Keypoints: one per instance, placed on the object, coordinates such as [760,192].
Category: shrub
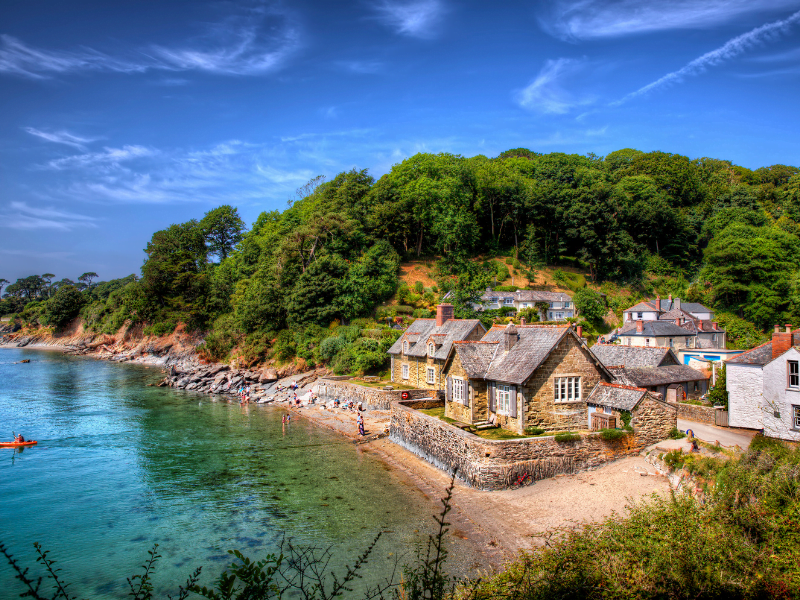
[63,306]
[567,436]
[612,434]
[674,459]
[402,309]
[676,434]
[418,287]
[506,288]
[330,347]
[161,328]
[285,347]
[559,276]
[423,313]
[534,430]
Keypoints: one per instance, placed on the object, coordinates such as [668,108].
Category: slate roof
[476,356]
[633,356]
[760,355]
[528,296]
[666,305]
[422,329]
[654,329]
[534,345]
[652,376]
[621,397]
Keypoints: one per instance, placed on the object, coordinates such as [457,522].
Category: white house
[560,305]
[652,310]
[764,387]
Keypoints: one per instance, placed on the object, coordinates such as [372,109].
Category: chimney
[670,298]
[444,312]
[658,305]
[715,326]
[639,326]
[788,328]
[630,316]
[781,341]
[579,331]
[678,321]
[678,303]
[522,321]
[511,336]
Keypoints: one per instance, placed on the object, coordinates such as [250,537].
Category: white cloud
[109,156]
[731,49]
[60,137]
[251,44]
[360,67]
[413,18]
[22,216]
[591,19]
[547,94]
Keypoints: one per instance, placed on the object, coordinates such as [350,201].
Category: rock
[22,342]
[268,375]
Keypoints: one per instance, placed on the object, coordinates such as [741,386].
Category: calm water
[121,466]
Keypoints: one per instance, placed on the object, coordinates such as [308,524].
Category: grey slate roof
[422,329]
[652,376]
[476,356]
[654,329]
[621,397]
[633,356]
[666,305]
[528,296]
[760,355]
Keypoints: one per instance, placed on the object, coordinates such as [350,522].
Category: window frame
[508,301]
[405,346]
[404,371]
[566,386]
[459,390]
[796,417]
[792,365]
[431,349]
[502,399]
[430,375]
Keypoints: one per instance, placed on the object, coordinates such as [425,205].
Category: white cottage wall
[778,399]
[744,384]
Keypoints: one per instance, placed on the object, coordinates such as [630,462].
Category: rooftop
[451,331]
[620,397]
[633,356]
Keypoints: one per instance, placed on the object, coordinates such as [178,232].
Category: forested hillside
[293,284]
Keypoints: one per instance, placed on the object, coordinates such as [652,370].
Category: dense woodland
[306,282]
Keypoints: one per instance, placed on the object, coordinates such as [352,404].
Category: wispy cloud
[547,94]
[255,43]
[591,19]
[22,216]
[360,67]
[109,156]
[60,137]
[731,49]
[414,18]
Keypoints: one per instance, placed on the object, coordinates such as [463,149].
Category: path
[711,433]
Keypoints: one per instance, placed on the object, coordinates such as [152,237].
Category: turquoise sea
[121,466]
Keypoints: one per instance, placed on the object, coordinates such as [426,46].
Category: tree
[63,306]
[223,229]
[315,298]
[3,283]
[718,396]
[86,278]
[589,304]
[47,279]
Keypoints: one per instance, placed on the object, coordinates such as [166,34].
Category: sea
[122,467]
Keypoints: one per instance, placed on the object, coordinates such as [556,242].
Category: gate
[721,418]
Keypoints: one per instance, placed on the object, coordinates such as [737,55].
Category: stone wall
[372,398]
[653,420]
[496,464]
[693,412]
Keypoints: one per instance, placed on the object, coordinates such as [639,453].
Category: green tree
[315,297]
[590,304]
[64,306]
[86,278]
[718,396]
[223,229]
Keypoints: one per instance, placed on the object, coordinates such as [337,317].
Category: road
[723,435]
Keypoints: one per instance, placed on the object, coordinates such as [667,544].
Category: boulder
[267,375]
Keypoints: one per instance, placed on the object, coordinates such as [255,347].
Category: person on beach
[360,422]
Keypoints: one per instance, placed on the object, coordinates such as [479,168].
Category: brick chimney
[658,305]
[781,341]
[511,336]
[579,331]
[444,312]
[639,326]
[678,321]
[715,326]
[678,303]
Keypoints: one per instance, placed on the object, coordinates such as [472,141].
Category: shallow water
[121,466]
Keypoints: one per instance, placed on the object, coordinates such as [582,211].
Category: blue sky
[119,118]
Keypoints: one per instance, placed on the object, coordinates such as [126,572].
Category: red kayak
[17,444]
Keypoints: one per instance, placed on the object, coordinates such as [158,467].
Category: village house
[609,403]
[559,305]
[656,369]
[419,356]
[678,325]
[763,387]
[523,376]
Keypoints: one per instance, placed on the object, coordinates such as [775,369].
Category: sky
[120,118]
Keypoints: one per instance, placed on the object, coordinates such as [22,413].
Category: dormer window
[405,347]
[431,349]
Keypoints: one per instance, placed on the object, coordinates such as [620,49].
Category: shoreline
[498,524]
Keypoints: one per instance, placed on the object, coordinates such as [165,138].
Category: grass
[380,384]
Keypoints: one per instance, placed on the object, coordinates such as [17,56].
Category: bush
[62,307]
[506,288]
[423,313]
[418,287]
[676,434]
[330,347]
[612,434]
[674,459]
[567,436]
[161,328]
[534,430]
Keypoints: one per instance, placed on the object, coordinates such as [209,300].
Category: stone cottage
[419,356]
[522,376]
[650,416]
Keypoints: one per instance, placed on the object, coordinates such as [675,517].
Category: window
[559,316]
[796,416]
[567,304]
[688,342]
[405,347]
[646,341]
[405,371]
[431,349]
[713,337]
[430,375]
[671,343]
[508,301]
[638,315]
[794,374]
[567,389]
[504,399]
[629,341]
[493,300]
[459,391]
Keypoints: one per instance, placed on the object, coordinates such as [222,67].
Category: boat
[18,444]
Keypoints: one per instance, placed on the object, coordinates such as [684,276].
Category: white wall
[744,384]
[777,397]
[646,316]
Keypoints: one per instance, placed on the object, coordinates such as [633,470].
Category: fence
[721,418]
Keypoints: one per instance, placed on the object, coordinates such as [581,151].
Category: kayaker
[19,439]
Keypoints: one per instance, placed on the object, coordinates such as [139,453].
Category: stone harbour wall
[371,398]
[497,464]
[693,412]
